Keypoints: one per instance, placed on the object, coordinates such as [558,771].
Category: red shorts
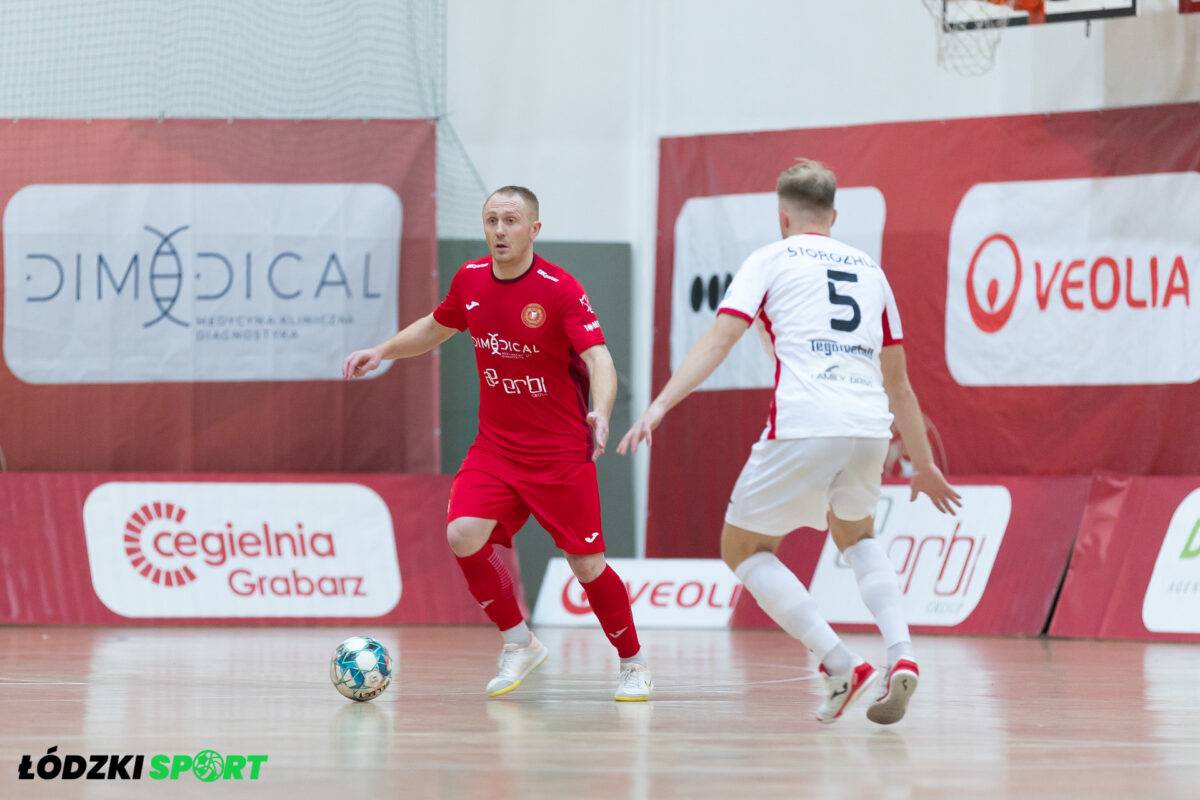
[562,495]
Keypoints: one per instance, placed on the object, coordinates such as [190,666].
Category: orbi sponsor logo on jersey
[1172,603]
[113,283]
[1086,281]
[241,550]
[713,236]
[529,384]
[943,562]
[663,592]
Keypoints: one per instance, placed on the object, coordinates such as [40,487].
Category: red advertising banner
[1189,6]
[993,569]
[103,549]
[1135,568]
[178,295]
[1039,262]
[663,593]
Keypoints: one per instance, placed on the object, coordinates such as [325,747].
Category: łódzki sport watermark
[206,766]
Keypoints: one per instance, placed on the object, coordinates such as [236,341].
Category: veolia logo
[996,315]
[664,592]
[1085,281]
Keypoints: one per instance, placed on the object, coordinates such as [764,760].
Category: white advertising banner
[241,550]
[943,562]
[663,592]
[713,236]
[148,283]
[1172,602]
[1075,282]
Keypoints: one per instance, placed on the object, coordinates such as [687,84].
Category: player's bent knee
[586,568]
[738,544]
[466,537]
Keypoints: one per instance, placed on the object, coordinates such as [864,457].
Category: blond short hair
[528,197]
[807,185]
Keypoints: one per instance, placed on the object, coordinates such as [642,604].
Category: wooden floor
[730,718]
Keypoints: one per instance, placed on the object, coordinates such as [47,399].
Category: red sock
[610,603]
[491,585]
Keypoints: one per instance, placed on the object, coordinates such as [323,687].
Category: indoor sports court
[998,718]
[257,491]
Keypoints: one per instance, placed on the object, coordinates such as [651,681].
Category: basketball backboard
[1063,11]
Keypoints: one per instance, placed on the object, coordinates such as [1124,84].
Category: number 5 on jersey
[845,325]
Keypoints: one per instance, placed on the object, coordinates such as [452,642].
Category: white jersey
[824,310]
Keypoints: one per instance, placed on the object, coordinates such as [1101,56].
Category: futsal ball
[361,668]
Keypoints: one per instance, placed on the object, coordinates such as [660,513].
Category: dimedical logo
[116,283]
[1075,282]
[1172,602]
[713,236]
[943,562]
[663,592]
[241,550]
[497,346]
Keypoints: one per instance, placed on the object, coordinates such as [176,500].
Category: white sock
[636,658]
[840,661]
[781,594]
[518,634]
[898,651]
[880,592]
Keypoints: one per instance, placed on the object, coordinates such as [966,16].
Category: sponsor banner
[165,282]
[715,235]
[1037,267]
[1104,198]
[943,562]
[1135,569]
[241,550]
[1172,603]
[994,568]
[664,593]
[189,289]
[128,549]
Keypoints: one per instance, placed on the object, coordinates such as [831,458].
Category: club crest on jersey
[533,315]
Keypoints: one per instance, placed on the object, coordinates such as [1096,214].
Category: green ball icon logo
[208,765]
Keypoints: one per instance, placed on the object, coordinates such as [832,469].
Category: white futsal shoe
[902,681]
[635,683]
[516,663]
[842,690]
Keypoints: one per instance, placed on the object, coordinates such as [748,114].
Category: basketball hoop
[968,31]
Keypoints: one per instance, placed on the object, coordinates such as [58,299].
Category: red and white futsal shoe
[842,690]
[902,681]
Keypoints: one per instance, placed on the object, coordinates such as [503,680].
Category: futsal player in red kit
[540,355]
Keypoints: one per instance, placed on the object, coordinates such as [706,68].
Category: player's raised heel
[902,681]
[515,663]
[842,690]
[635,683]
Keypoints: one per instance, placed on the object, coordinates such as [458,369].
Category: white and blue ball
[361,668]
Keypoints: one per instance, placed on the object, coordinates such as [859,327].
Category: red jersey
[528,333]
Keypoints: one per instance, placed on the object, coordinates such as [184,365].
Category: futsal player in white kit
[827,317]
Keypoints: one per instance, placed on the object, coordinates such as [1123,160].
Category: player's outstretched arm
[419,337]
[926,477]
[602,374]
[705,356]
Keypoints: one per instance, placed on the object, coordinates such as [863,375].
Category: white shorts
[792,483]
